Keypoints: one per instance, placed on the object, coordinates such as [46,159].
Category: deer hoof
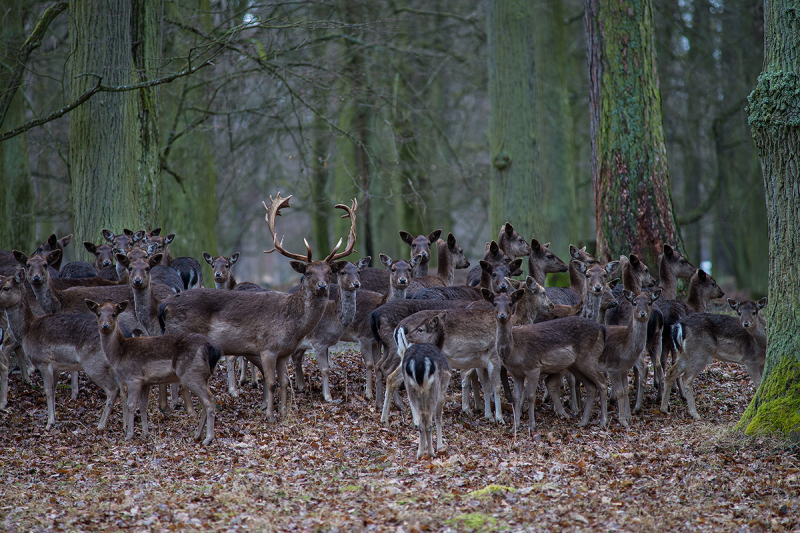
[207,441]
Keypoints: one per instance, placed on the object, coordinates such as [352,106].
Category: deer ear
[668,251]
[156,259]
[530,283]
[169,238]
[432,238]
[634,259]
[364,262]
[546,245]
[628,295]
[120,307]
[64,241]
[20,257]
[486,266]
[536,245]
[90,247]
[234,258]
[515,283]
[487,294]
[451,241]
[611,267]
[123,260]
[386,260]
[517,296]
[655,295]
[406,237]
[762,303]
[138,236]
[299,266]
[573,251]
[19,276]
[208,258]
[515,266]
[509,229]
[414,261]
[494,248]
[613,283]
[52,240]
[734,304]
[338,266]
[128,232]
[54,257]
[92,305]
[581,266]
[701,274]
[156,232]
[107,235]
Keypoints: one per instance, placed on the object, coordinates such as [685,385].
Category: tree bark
[114,184]
[774,117]
[515,178]
[16,187]
[633,204]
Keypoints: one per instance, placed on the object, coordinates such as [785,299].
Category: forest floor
[334,467]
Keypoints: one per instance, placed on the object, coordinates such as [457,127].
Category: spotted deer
[702,337]
[226,317]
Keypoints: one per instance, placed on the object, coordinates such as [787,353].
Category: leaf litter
[334,467]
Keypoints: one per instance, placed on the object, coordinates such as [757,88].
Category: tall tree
[115,182]
[633,204]
[774,111]
[516,181]
[16,188]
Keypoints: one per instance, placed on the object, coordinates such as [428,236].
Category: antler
[351,238]
[274,210]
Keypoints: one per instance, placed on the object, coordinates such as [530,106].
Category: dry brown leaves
[333,467]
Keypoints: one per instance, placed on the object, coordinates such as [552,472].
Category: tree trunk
[16,187]
[112,135]
[633,204]
[516,184]
[774,116]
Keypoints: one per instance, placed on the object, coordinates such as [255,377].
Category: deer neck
[20,317]
[536,272]
[46,296]
[504,340]
[526,312]
[305,310]
[634,340]
[630,280]
[593,305]
[577,281]
[760,334]
[446,268]
[112,344]
[346,307]
[396,294]
[227,285]
[667,280]
[697,300]
[146,308]
[420,271]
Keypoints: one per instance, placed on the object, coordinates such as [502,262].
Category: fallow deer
[57,343]
[450,256]
[338,316]
[221,267]
[702,337]
[624,347]
[426,374]
[529,351]
[541,261]
[493,275]
[420,246]
[494,256]
[103,254]
[124,241]
[265,327]
[144,361]
[53,243]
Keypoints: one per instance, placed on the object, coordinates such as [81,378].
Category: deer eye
[147,269]
[113,315]
[394,269]
[6,288]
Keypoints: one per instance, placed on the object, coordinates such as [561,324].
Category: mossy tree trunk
[16,188]
[774,116]
[633,204]
[114,180]
[515,178]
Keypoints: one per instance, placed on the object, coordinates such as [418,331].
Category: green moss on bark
[776,405]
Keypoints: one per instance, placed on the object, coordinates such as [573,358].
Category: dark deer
[420,246]
[541,261]
[57,343]
[144,361]
[103,254]
[450,256]
[53,243]
[226,317]
[702,337]
[124,241]
[221,267]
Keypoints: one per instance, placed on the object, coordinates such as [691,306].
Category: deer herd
[137,317]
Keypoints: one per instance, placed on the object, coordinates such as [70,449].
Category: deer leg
[134,393]
[486,384]
[187,399]
[230,364]
[393,381]
[494,375]
[531,384]
[174,389]
[74,384]
[466,380]
[440,447]
[144,395]
[553,385]
[199,386]
[163,404]
[109,385]
[672,374]
[50,393]
[3,379]
[297,361]
[366,354]
[22,361]
[283,384]
[640,370]
[323,360]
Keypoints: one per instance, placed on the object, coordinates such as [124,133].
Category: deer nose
[357,284]
[423,255]
[322,286]
[502,317]
[106,263]
[217,274]
[467,264]
[105,326]
[746,324]
[642,314]
[36,278]
[402,281]
[503,287]
[137,281]
[597,288]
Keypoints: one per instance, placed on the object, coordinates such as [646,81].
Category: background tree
[774,108]
[633,203]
